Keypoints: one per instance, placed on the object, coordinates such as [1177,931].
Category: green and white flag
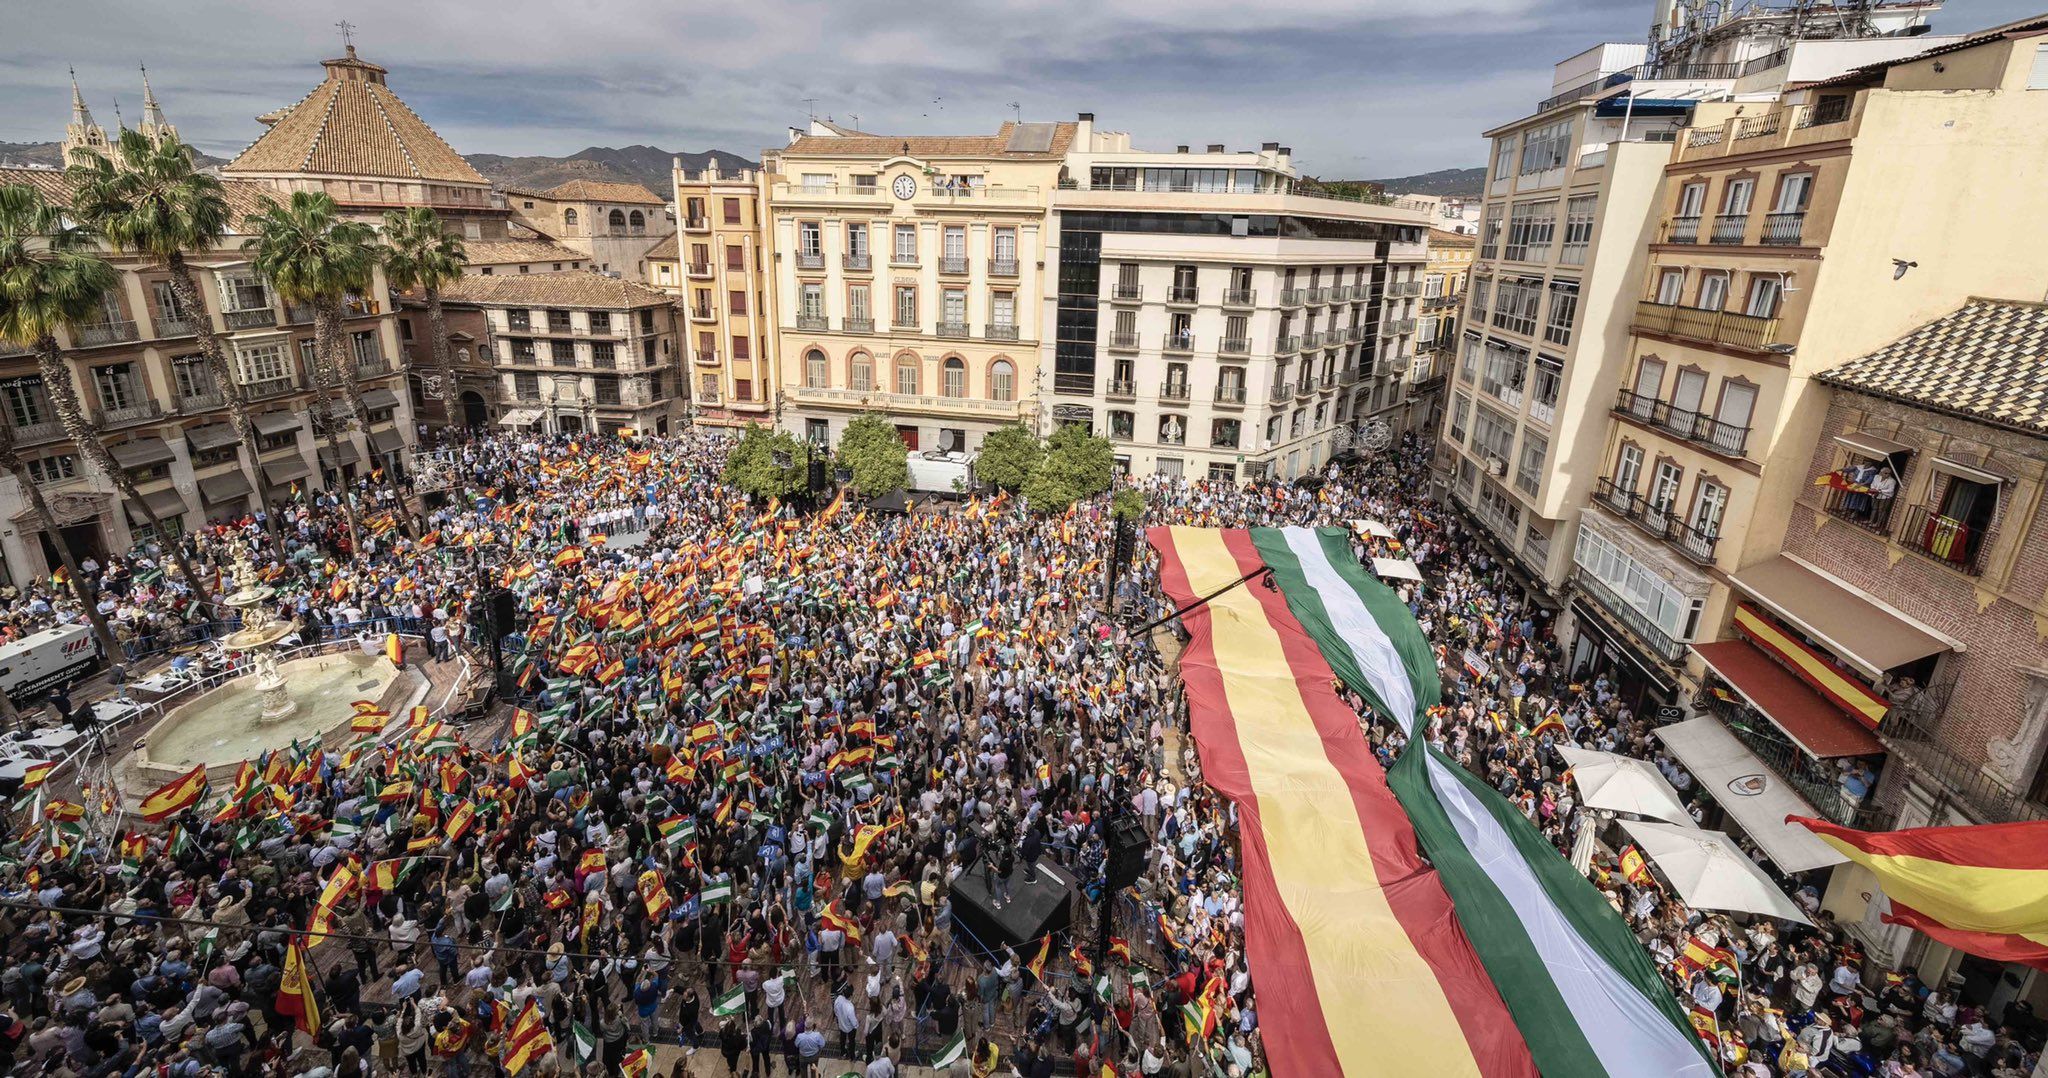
[730,1003]
[716,894]
[953,1052]
[822,819]
[582,1042]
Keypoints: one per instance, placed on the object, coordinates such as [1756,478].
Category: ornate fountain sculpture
[258,636]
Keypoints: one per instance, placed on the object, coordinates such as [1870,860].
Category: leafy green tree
[873,451]
[1127,504]
[1076,464]
[1007,457]
[753,464]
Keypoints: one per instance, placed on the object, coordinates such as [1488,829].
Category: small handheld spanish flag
[175,796]
[394,649]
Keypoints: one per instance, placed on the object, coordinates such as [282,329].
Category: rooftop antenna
[119,123]
[811,106]
[1018,108]
[855,117]
[348,34]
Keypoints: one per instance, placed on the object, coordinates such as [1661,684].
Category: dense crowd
[754,751]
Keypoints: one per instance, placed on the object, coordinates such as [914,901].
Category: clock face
[905,187]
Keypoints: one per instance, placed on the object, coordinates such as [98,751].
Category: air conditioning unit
[1496,467]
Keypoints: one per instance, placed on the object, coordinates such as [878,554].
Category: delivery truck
[34,665]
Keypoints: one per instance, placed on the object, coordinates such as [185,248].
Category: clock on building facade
[905,186]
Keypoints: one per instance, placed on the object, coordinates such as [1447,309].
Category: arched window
[814,369]
[906,373]
[862,376]
[1002,381]
[618,219]
[639,220]
[956,377]
[569,220]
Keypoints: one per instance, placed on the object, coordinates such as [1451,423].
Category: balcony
[204,401]
[1182,295]
[1234,346]
[270,387]
[1350,376]
[1123,341]
[1280,393]
[99,333]
[1682,229]
[861,263]
[1394,327]
[372,366]
[1000,331]
[1945,539]
[810,260]
[1832,110]
[1649,632]
[1313,339]
[1405,288]
[1306,387]
[699,223]
[701,314]
[252,318]
[1858,508]
[1747,332]
[952,329]
[33,433]
[604,363]
[857,325]
[1287,345]
[1657,521]
[1002,267]
[1721,439]
[1126,293]
[1317,296]
[1759,126]
[1174,393]
[1121,389]
[1292,297]
[1783,229]
[707,356]
[1239,297]
[953,264]
[1328,380]
[904,260]
[1729,227]
[697,269]
[1230,395]
[816,323]
[906,326]
[168,327]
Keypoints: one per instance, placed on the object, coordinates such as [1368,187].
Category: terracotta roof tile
[600,191]
[500,252]
[928,145]
[667,250]
[354,127]
[1987,361]
[566,289]
[55,185]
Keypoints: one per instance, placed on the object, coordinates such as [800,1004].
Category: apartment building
[719,274]
[612,225]
[576,352]
[522,255]
[1444,279]
[145,385]
[1789,242]
[1213,322]
[901,270]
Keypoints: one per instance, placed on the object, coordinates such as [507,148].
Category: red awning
[1817,726]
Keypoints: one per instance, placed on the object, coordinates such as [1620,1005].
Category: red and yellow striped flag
[176,795]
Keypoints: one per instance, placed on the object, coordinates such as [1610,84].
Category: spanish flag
[1634,869]
[529,1039]
[295,991]
[176,796]
[654,894]
[37,774]
[394,649]
[1037,963]
[1980,889]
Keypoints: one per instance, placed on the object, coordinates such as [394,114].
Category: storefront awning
[1846,622]
[344,452]
[1591,616]
[278,422]
[1749,791]
[386,440]
[376,399]
[212,436]
[1818,727]
[224,487]
[165,503]
[142,452]
[280,472]
[519,417]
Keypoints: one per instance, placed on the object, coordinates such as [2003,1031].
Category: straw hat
[73,986]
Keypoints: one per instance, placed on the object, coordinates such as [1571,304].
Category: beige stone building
[718,267]
[902,273]
[1444,278]
[614,225]
[490,258]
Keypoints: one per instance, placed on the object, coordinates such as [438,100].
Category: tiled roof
[929,145]
[667,250]
[500,252]
[600,191]
[1857,76]
[55,186]
[1443,237]
[567,289]
[1987,361]
[352,126]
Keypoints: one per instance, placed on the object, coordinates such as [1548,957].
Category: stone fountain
[258,637]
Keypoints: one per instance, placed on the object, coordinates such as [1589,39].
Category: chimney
[1084,132]
[1269,146]
[711,168]
[1215,147]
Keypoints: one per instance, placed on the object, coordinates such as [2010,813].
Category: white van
[35,664]
[948,474]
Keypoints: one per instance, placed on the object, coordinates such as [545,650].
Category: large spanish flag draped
[1983,889]
[1344,924]
[1582,993]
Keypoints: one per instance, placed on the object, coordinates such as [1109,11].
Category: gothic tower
[153,126]
[82,135]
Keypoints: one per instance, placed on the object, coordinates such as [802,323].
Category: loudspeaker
[504,612]
[1129,851]
[817,482]
[1035,909]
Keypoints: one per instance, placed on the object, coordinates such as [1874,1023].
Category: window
[1670,286]
[1003,309]
[864,183]
[954,375]
[1642,588]
[637,221]
[1664,485]
[1543,388]
[1493,435]
[1122,424]
[1297,423]
[1954,532]
[617,220]
[1480,289]
[953,309]
[906,306]
[1709,505]
[810,240]
[732,211]
[168,309]
[1503,156]
[907,374]
[811,302]
[735,258]
[1172,430]
[1793,190]
[27,402]
[814,369]
[906,245]
[245,293]
[736,301]
[1002,381]
[258,363]
[2037,79]
[1468,359]
[47,470]
[1692,200]
[856,241]
[1730,433]
[1224,433]
[1713,290]
[1005,250]
[1272,432]
[1502,378]
[1545,147]
[1489,233]
[742,346]
[817,181]
[1222,473]
[857,308]
[191,377]
[955,249]
[1516,304]
[569,219]
[1564,311]
[1628,469]
[1578,229]
[1735,197]
[863,372]
[1649,382]
[1529,231]
[1763,295]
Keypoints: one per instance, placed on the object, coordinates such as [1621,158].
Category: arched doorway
[474,412]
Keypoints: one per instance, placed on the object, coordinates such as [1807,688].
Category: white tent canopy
[1373,528]
[1395,569]
[1709,871]
[1753,795]
[1624,784]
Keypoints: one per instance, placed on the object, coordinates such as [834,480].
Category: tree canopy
[871,449]
[1076,464]
[752,465]
[1007,457]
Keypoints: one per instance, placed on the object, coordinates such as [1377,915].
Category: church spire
[153,126]
[80,115]
[82,137]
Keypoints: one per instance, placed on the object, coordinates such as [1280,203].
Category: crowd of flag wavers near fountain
[728,783]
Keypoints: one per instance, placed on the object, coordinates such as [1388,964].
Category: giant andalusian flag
[1582,993]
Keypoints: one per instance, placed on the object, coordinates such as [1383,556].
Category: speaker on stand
[1127,855]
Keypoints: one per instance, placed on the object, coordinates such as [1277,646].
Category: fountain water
[258,636]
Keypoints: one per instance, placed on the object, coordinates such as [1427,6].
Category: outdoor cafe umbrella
[1624,784]
[1709,871]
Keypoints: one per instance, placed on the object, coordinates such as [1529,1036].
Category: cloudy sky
[1359,88]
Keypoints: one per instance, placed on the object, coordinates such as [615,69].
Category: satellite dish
[945,441]
[1374,435]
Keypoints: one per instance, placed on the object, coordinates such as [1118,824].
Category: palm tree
[150,199]
[50,277]
[316,259]
[419,253]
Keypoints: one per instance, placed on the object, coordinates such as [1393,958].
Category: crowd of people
[752,754]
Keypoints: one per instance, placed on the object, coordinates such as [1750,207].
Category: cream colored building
[614,225]
[491,258]
[1214,323]
[719,271]
[903,275]
[1444,279]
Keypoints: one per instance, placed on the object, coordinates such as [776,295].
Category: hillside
[51,154]
[1460,182]
[647,166]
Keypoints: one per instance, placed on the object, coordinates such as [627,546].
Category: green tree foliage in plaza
[873,451]
[1007,457]
[752,465]
[1127,504]
[1076,464]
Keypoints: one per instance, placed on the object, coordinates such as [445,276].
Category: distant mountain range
[647,166]
[51,154]
[1454,182]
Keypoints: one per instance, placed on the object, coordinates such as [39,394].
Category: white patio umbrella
[1624,784]
[1709,871]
